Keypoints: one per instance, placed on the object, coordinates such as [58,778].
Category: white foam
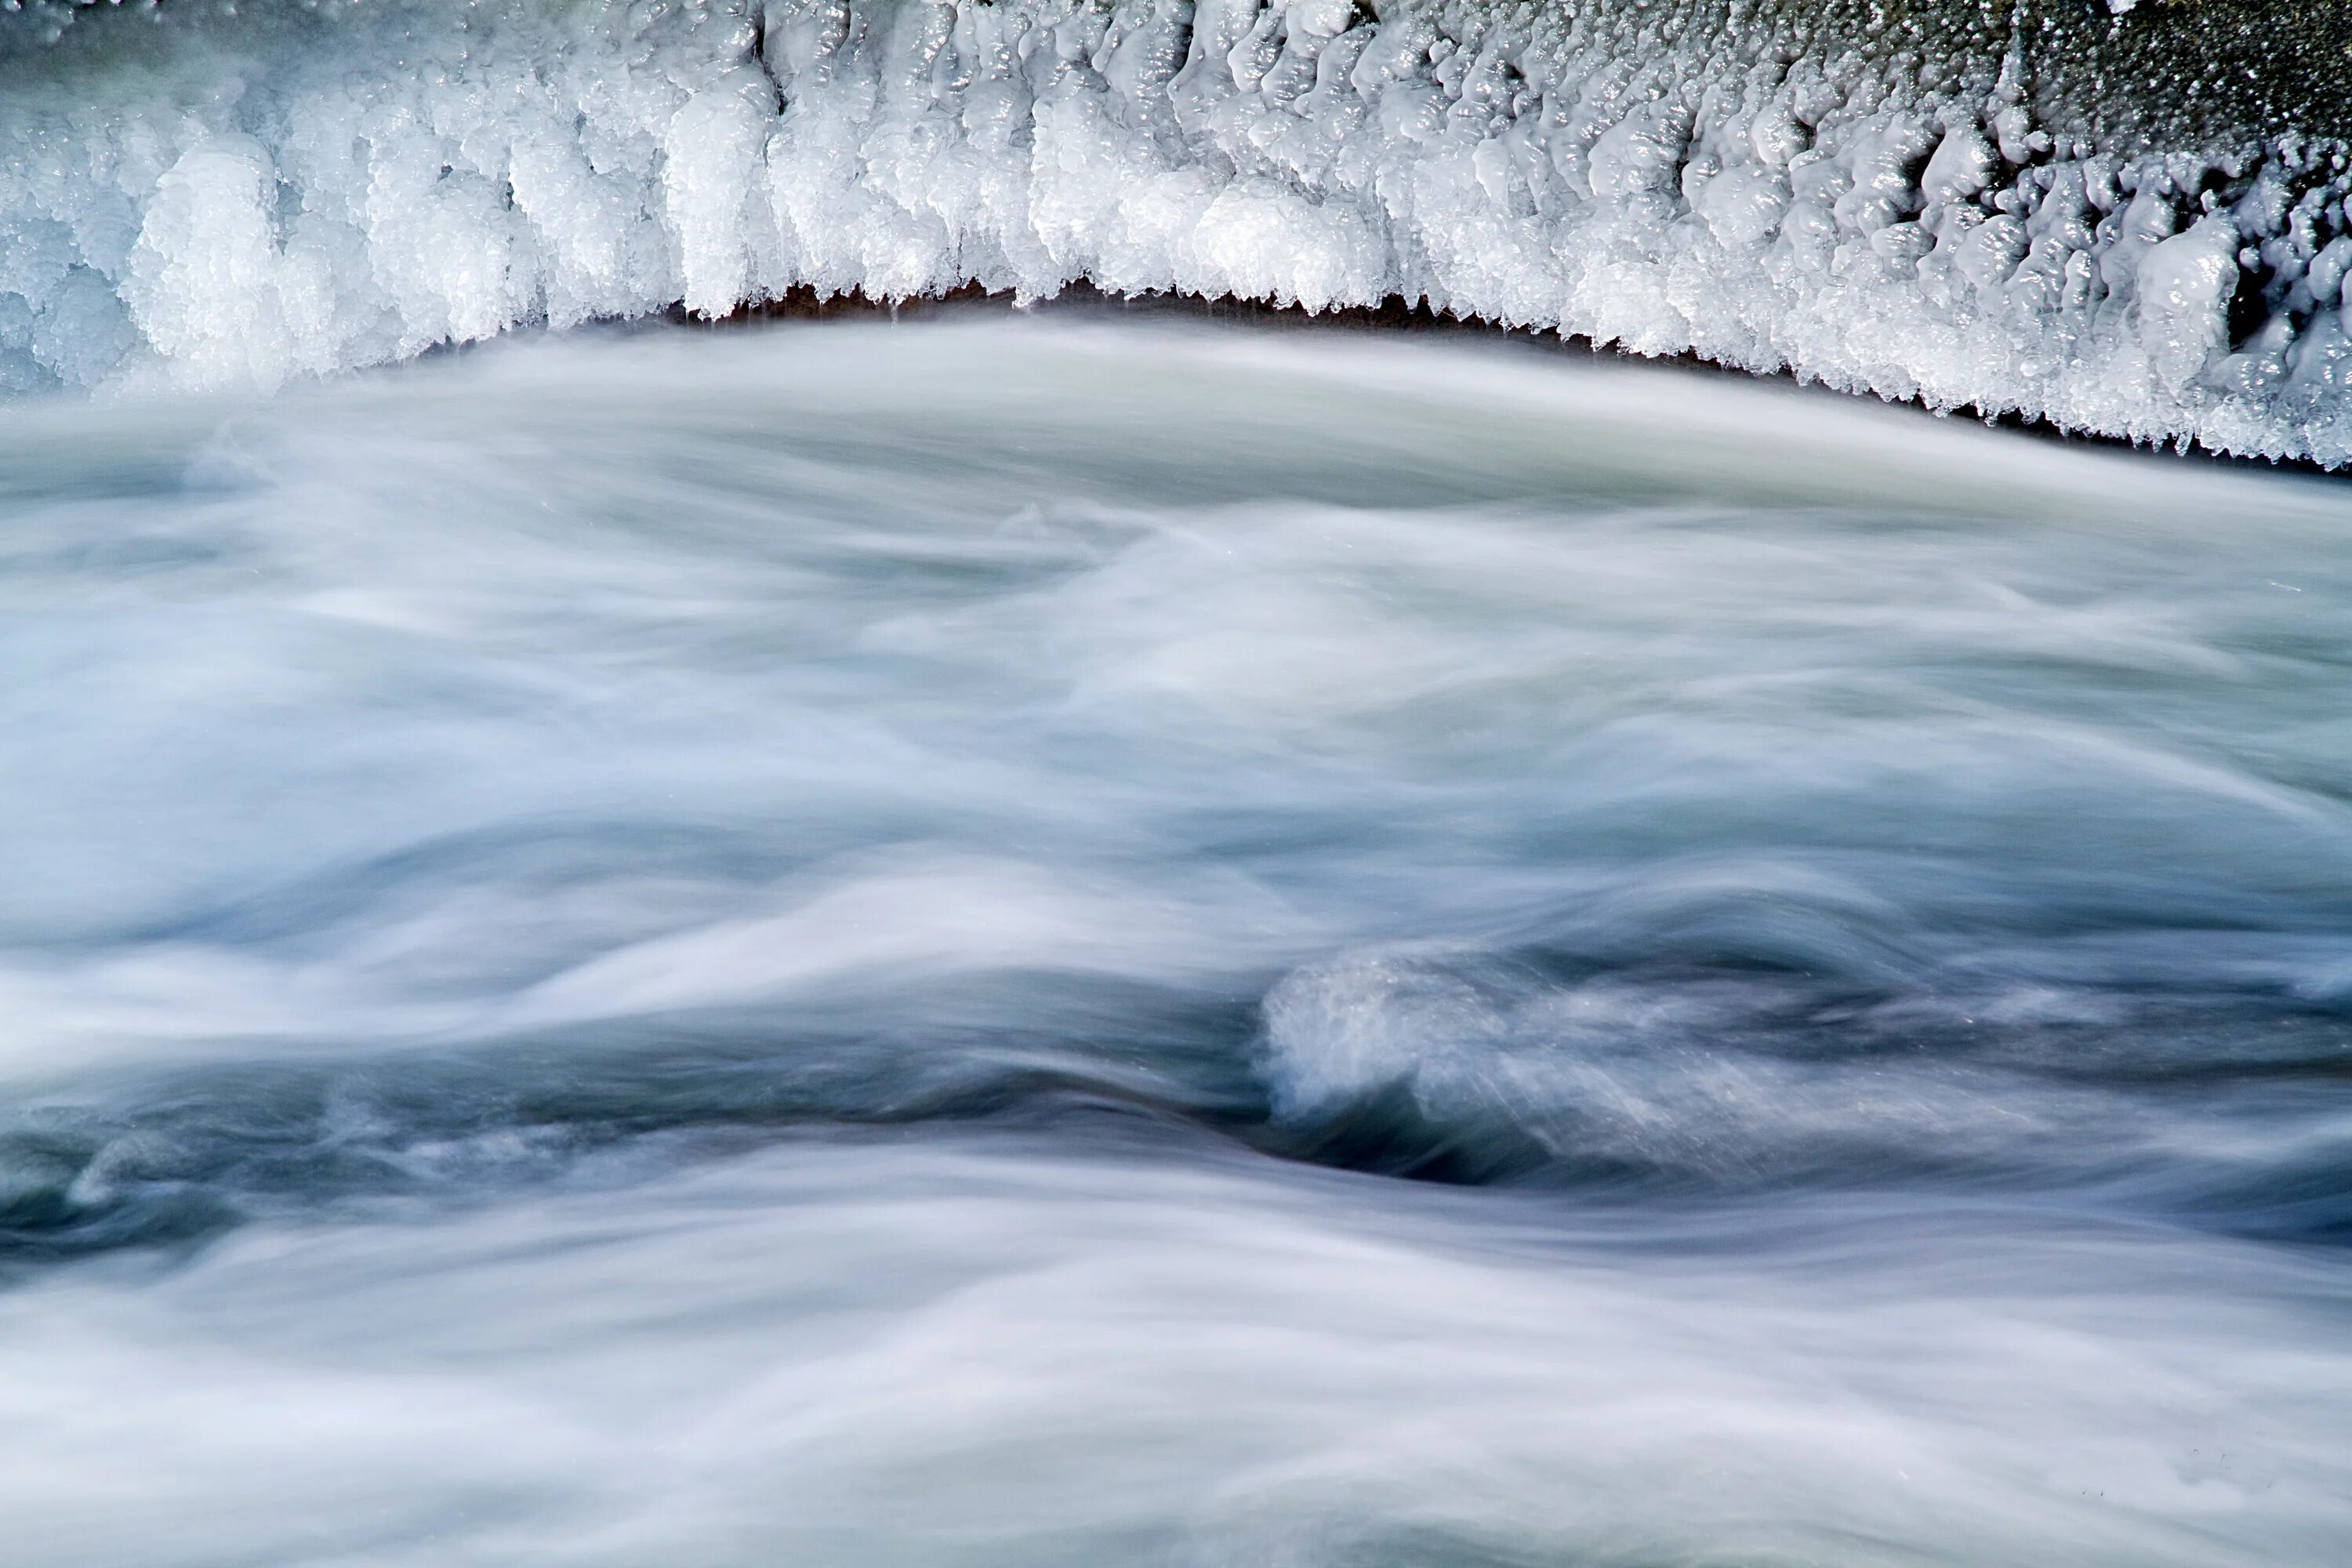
[295,192]
[957,1351]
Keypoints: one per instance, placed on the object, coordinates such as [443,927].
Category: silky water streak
[1037,941]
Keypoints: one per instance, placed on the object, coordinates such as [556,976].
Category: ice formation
[2114,223]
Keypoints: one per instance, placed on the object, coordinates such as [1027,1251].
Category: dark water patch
[1632,1088]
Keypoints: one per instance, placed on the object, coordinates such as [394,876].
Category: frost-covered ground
[2007,213]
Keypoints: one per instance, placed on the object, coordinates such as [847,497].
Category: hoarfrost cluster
[226,199]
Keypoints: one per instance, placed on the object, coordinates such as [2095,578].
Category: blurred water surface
[826,944]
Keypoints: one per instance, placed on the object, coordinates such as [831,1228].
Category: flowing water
[1057,939]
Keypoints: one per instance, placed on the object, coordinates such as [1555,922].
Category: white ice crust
[291,195]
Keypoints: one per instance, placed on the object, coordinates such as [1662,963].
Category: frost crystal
[1917,209]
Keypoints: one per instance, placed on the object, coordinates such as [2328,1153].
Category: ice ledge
[1914,209]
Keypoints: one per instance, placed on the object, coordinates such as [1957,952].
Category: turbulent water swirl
[827,943]
[2131,224]
[1108,937]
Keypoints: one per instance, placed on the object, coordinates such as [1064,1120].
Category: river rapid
[1045,939]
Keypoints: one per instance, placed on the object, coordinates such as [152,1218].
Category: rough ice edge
[286,199]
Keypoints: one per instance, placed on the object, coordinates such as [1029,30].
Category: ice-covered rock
[2052,213]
